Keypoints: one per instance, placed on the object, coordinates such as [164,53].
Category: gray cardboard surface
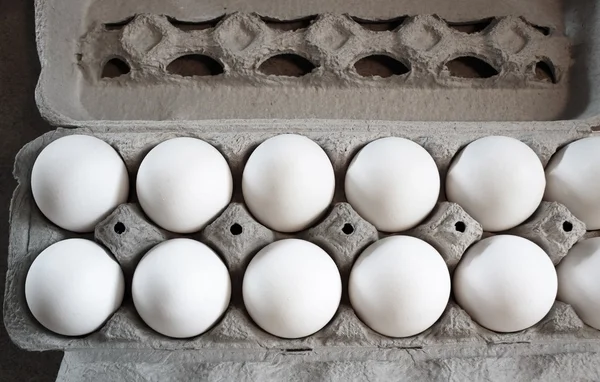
[148,36]
[499,363]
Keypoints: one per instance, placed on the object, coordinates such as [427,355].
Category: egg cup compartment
[236,236]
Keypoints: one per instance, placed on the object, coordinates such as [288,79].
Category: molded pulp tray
[342,111]
[236,333]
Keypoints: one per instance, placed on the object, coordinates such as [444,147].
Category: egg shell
[399,286]
[288,183]
[579,280]
[498,180]
[573,176]
[73,287]
[181,288]
[505,283]
[183,184]
[393,183]
[292,288]
[77,181]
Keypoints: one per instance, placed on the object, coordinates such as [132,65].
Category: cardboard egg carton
[340,110]
[128,234]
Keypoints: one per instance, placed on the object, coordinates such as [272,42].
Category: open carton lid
[184,60]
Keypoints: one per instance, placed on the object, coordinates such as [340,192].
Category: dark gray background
[20,123]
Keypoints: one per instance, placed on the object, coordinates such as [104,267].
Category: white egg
[573,177]
[73,287]
[183,184]
[292,288]
[393,183]
[499,181]
[505,283]
[399,286]
[181,288]
[579,281]
[77,181]
[288,183]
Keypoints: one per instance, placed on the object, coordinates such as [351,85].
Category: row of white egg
[399,286]
[288,182]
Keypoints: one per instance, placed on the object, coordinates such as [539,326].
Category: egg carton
[128,234]
[241,107]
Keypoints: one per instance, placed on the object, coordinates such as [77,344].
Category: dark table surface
[20,122]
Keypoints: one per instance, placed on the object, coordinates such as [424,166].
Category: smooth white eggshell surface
[183,184]
[393,183]
[73,287]
[573,177]
[399,286]
[499,181]
[505,283]
[292,288]
[579,280]
[77,181]
[181,288]
[288,182]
